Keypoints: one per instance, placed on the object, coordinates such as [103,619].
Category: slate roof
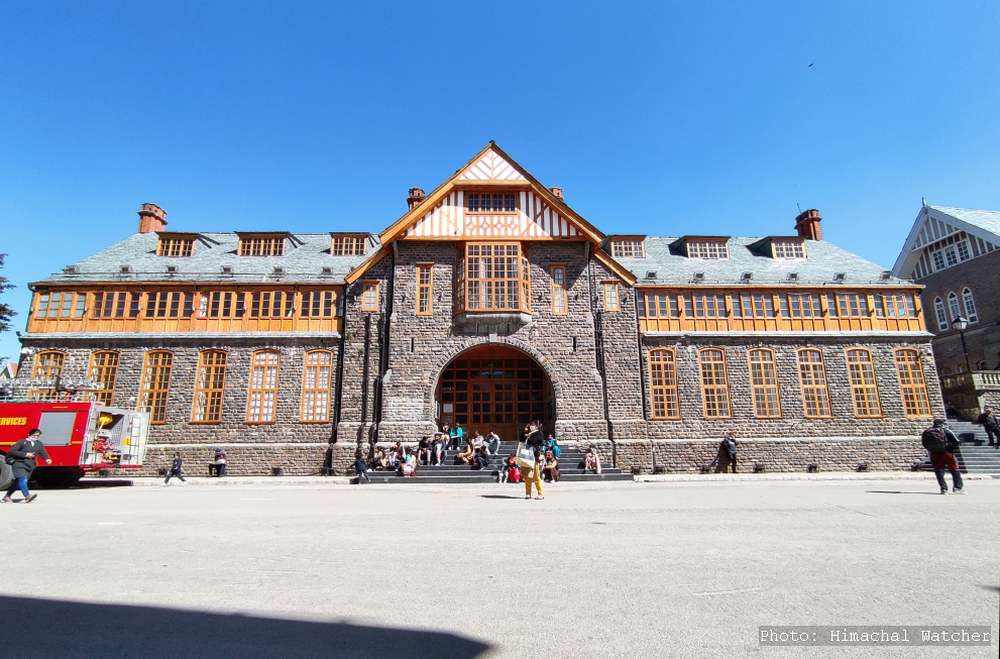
[303,261]
[820,266]
[986,220]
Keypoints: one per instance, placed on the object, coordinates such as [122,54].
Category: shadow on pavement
[109,482]
[80,629]
[935,494]
[500,496]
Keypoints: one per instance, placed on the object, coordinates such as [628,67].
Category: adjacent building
[490,302]
[954,253]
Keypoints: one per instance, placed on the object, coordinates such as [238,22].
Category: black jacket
[988,420]
[176,466]
[23,465]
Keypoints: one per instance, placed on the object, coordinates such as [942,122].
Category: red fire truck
[79,436]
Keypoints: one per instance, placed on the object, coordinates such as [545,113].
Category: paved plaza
[682,569]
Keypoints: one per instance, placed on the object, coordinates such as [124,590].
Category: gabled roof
[823,262]
[490,166]
[979,223]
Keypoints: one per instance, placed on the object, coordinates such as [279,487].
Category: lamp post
[960,324]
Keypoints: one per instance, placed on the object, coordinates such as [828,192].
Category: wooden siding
[197,322]
[535,219]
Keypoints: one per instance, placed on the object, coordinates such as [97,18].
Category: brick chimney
[152,218]
[807,225]
[557,192]
[416,196]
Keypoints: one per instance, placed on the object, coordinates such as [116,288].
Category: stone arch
[432,377]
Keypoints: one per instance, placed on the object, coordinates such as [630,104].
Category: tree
[6,312]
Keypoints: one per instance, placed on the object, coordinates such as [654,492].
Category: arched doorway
[494,387]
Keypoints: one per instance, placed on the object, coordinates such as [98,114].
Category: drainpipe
[383,341]
[599,353]
[642,378]
[339,386]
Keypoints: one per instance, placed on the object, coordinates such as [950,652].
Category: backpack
[935,440]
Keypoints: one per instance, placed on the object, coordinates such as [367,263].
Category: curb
[798,476]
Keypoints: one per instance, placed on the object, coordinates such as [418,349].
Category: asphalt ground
[681,569]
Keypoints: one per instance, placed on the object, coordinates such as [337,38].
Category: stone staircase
[975,456]
[570,469]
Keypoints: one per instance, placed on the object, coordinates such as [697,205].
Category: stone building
[491,302]
[954,253]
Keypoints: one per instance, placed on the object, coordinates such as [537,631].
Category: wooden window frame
[155,389]
[425,290]
[818,385]
[799,302]
[175,246]
[628,248]
[223,305]
[697,305]
[317,304]
[174,304]
[559,290]
[651,302]
[765,310]
[261,245]
[105,374]
[313,371]
[478,192]
[845,306]
[864,386]
[612,303]
[709,250]
[492,293]
[266,391]
[912,383]
[209,383]
[46,368]
[664,396]
[116,304]
[717,367]
[371,295]
[761,391]
[788,249]
[271,304]
[61,305]
[347,244]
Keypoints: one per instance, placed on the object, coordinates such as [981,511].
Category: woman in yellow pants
[534,475]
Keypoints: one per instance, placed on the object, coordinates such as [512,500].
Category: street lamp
[960,324]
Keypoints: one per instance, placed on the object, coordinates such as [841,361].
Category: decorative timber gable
[492,197]
[942,237]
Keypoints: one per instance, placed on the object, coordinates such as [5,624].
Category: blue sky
[654,117]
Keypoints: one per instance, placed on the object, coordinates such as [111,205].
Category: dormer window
[491,203]
[788,248]
[628,248]
[347,245]
[707,248]
[261,244]
[175,244]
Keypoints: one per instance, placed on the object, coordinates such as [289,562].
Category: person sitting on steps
[592,461]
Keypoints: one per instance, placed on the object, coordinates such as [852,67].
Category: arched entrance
[494,387]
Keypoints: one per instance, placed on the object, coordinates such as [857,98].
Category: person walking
[942,443]
[23,457]
[457,436]
[176,469]
[533,476]
[991,424]
[727,453]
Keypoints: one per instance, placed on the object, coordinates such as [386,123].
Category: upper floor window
[222,304]
[319,304]
[425,289]
[347,245]
[628,248]
[261,245]
[494,277]
[175,245]
[705,305]
[116,304]
[370,296]
[788,249]
[169,304]
[271,304]
[61,304]
[755,305]
[848,305]
[953,307]
[612,296]
[939,312]
[656,304]
[970,306]
[764,384]
[895,305]
[949,251]
[708,249]
[560,300]
[488,202]
[801,305]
